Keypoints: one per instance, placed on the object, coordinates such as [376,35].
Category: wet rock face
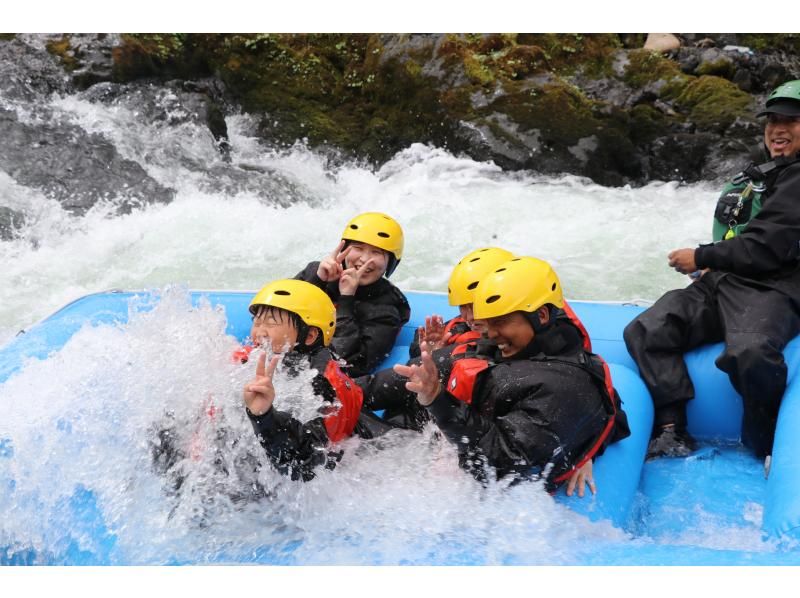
[595,105]
[74,167]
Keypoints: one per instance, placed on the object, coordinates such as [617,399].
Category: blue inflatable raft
[714,415]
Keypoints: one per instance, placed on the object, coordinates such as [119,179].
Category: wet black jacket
[537,409]
[766,251]
[296,448]
[367,323]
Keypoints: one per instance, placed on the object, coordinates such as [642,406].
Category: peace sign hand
[350,278]
[259,394]
[423,379]
[330,268]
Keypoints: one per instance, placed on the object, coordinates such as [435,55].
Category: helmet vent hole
[553,288]
[280,292]
[472,285]
[384,235]
[516,259]
[475,259]
[501,270]
[493,298]
[354,226]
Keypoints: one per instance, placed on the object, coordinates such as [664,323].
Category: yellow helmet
[520,284]
[309,302]
[470,270]
[379,230]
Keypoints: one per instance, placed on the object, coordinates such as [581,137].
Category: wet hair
[297,323]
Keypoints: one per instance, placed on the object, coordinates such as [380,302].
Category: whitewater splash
[84,484]
[269,212]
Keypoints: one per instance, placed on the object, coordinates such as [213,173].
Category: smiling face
[512,332]
[360,254]
[272,327]
[782,135]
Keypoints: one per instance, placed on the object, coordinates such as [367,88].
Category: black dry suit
[543,411]
[750,299]
[296,448]
[367,323]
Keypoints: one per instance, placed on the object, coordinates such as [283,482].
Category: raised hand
[423,379]
[351,277]
[259,393]
[330,268]
[433,332]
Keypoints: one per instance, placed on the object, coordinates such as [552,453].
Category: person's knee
[756,360]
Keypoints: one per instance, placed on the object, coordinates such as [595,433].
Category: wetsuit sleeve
[770,240]
[519,441]
[295,448]
[364,343]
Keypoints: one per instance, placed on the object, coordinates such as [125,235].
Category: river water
[77,482]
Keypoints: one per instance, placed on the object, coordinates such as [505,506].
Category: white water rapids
[81,423]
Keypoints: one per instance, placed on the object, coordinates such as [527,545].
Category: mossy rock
[765,42]
[560,112]
[715,103]
[7,37]
[646,66]
[62,48]
[646,123]
[723,67]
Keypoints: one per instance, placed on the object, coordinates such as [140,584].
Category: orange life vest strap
[463,376]
[573,317]
[341,422]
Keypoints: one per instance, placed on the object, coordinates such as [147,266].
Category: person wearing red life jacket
[297,321]
[370,310]
[541,405]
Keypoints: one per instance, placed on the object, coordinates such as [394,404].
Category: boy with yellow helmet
[295,321]
[541,405]
[370,310]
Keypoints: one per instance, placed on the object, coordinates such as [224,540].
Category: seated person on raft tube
[745,292]
[540,406]
[297,321]
[370,310]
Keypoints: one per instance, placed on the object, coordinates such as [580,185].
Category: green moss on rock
[64,51]
[714,103]
[646,66]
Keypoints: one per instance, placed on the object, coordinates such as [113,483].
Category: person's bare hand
[433,332]
[582,478]
[259,394]
[330,268]
[682,260]
[423,379]
[351,278]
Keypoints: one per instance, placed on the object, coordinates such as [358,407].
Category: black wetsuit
[539,408]
[295,448]
[750,300]
[367,323]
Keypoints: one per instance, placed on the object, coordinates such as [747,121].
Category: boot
[670,441]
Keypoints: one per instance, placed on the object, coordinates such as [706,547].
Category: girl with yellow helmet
[370,310]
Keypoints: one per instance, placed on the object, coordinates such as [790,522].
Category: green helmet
[784,100]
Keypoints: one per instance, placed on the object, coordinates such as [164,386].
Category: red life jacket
[341,422]
[242,354]
[456,337]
